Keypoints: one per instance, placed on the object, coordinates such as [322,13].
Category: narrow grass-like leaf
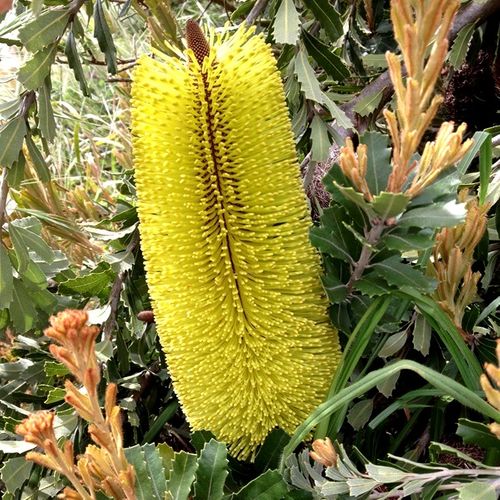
[464,163]
[485,165]
[286,23]
[162,419]
[38,160]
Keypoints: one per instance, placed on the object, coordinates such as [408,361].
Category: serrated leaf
[32,241]
[368,103]
[389,204]
[55,395]
[6,278]
[393,344]
[400,274]
[320,140]
[286,23]
[33,73]
[378,160]
[150,481]
[14,472]
[20,249]
[90,284]
[266,486]
[46,119]
[402,240]
[11,140]
[458,51]
[327,16]
[269,453]
[478,491]
[44,30]
[437,215]
[422,334]
[372,286]
[334,288]
[374,60]
[182,475]
[71,52]
[337,114]
[307,78]
[22,312]
[15,175]
[212,471]
[104,38]
[55,369]
[360,413]
[38,160]
[326,59]
[387,386]
[476,433]
[384,474]
[357,198]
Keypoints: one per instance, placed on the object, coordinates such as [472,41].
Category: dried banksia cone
[234,281]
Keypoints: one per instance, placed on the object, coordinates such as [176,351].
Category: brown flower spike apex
[234,281]
[103,466]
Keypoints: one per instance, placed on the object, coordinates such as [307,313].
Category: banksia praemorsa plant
[453,259]
[102,467]
[490,382]
[234,281]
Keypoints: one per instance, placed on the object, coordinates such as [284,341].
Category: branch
[474,12]
[259,6]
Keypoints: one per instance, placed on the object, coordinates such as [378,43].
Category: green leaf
[150,481]
[212,471]
[6,278]
[327,16]
[182,475]
[325,58]
[368,103]
[15,175]
[334,288]
[478,491]
[436,449]
[267,486]
[89,284]
[55,369]
[422,334]
[38,160]
[437,215]
[104,38]
[476,433]
[11,140]
[162,419]
[44,30]
[390,204]
[22,312]
[458,52]
[46,119]
[32,241]
[55,395]
[286,23]
[372,286]
[33,73]
[393,344]
[357,198]
[320,140]
[379,160]
[400,239]
[75,64]
[307,78]
[14,472]
[400,274]
[10,108]
[485,166]
[360,413]
[384,474]
[20,249]
[337,114]
[464,163]
[269,453]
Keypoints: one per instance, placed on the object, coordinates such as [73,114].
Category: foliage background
[69,237]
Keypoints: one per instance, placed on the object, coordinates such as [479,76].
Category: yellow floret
[235,283]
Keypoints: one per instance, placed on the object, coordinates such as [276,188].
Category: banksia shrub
[234,281]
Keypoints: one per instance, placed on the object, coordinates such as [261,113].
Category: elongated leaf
[90,284]
[393,344]
[390,204]
[15,175]
[104,38]
[286,23]
[33,73]
[476,433]
[327,16]
[461,45]
[9,108]
[266,486]
[22,312]
[326,59]
[485,165]
[400,239]
[212,471]
[308,81]
[14,472]
[38,160]
[11,140]
[360,413]
[45,112]
[379,160]
[32,241]
[182,475]
[337,114]
[20,248]
[320,140]
[478,491]
[422,333]
[334,288]
[368,103]
[150,481]
[464,163]
[446,385]
[74,62]
[434,216]
[44,30]
[6,279]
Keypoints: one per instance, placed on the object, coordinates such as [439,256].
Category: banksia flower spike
[234,281]
[490,382]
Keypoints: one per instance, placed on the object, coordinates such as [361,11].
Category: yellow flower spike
[235,283]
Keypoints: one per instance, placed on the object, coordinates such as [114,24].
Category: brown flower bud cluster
[491,386]
[324,452]
[453,259]
[104,466]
